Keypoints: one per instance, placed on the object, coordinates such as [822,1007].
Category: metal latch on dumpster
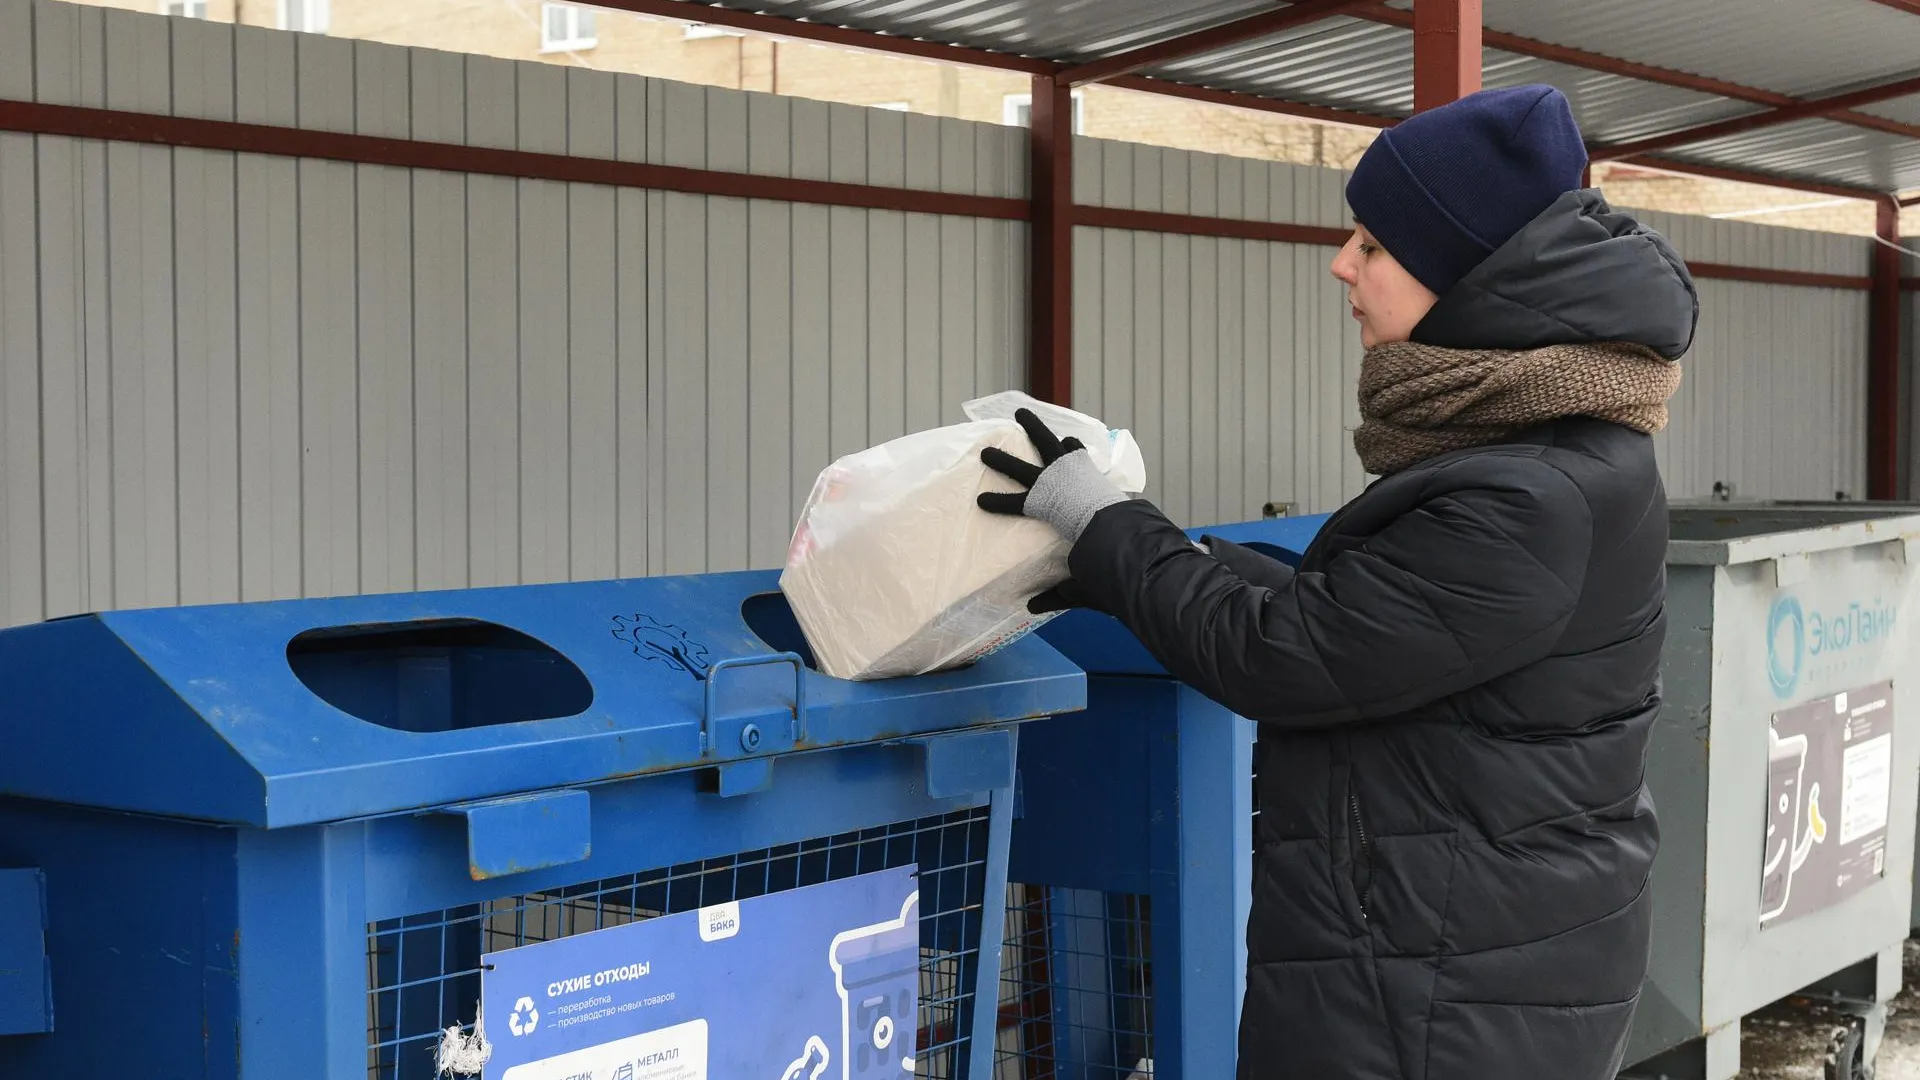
[734,730]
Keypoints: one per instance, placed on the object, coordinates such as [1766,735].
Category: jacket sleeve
[1476,579]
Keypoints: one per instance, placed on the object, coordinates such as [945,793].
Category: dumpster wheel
[1847,1053]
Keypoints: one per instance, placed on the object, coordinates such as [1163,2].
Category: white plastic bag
[894,570]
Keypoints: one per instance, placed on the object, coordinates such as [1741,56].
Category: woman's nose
[1342,269]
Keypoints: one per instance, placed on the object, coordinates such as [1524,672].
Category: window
[186,9]
[697,31]
[306,16]
[566,28]
[892,106]
[1017,111]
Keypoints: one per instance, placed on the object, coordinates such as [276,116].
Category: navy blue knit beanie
[1444,188]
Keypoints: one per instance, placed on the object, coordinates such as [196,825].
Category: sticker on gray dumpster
[1829,792]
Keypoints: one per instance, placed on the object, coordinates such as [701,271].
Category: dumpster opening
[438,675]
[771,619]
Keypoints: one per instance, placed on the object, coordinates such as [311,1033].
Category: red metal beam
[1050,265]
[1052,340]
[1612,65]
[1805,110]
[1446,51]
[1228,98]
[826,34]
[1883,359]
[1911,7]
[1265,24]
[1911,200]
[83,123]
[1802,278]
[1101,217]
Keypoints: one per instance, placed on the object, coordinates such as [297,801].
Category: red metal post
[1446,51]
[1883,359]
[1050,265]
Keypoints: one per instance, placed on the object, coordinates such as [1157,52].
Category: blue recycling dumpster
[276,841]
[1131,866]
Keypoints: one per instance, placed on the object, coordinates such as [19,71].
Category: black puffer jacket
[1455,692]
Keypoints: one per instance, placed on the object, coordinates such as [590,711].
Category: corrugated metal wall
[1236,359]
[1774,398]
[1232,361]
[243,377]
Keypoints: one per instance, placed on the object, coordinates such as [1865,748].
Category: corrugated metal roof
[1802,48]
[1799,48]
[1055,29]
[1906,110]
[1838,152]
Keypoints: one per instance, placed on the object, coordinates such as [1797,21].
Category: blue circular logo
[1786,645]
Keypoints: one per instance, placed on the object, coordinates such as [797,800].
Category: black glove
[1065,490]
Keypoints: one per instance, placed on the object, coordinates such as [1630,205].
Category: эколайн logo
[1823,644]
[1786,645]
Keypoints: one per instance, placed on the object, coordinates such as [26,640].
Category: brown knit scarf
[1420,401]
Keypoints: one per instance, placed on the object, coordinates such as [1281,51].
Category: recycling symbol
[524,1017]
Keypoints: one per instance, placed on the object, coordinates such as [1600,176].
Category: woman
[1455,688]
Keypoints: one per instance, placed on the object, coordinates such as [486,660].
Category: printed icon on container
[811,1062]
[524,1018]
[878,973]
[1794,821]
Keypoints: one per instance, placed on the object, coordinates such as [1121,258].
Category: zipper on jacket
[1363,855]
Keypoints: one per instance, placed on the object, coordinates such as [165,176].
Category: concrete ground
[1789,1040]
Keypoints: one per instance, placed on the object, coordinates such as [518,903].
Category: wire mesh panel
[1076,995]
[423,971]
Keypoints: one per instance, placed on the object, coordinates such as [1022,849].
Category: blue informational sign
[817,983]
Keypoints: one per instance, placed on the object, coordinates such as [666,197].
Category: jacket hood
[1581,272]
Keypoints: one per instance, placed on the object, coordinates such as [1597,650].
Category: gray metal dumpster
[1784,766]
[1818,513]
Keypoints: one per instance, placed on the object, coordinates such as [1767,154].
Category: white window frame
[701,31]
[583,33]
[317,16]
[184,9]
[1014,104]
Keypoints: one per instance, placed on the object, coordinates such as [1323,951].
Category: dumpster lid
[295,712]
[1730,534]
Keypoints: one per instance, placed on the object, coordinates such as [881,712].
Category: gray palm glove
[1065,490]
